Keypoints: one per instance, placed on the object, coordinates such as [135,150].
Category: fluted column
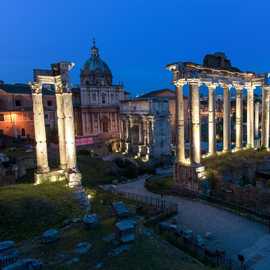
[211,119]
[265,116]
[195,122]
[226,119]
[61,130]
[180,123]
[40,131]
[239,118]
[250,116]
[69,132]
[257,119]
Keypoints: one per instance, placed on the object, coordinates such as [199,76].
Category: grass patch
[233,161]
[26,210]
[95,171]
[160,185]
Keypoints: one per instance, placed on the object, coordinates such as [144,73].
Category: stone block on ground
[73,261]
[82,248]
[120,209]
[109,238]
[5,245]
[91,221]
[119,250]
[8,257]
[25,264]
[50,236]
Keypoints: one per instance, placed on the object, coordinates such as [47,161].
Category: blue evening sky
[137,38]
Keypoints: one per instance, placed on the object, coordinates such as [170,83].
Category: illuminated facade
[171,96]
[16,110]
[213,74]
[146,130]
[100,100]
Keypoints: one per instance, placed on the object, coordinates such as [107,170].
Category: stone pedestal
[74,179]
[52,176]
[186,176]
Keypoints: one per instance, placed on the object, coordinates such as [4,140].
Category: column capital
[36,88]
[250,86]
[238,87]
[180,83]
[211,85]
[195,82]
[225,85]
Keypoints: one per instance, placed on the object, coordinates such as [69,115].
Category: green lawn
[26,210]
[160,185]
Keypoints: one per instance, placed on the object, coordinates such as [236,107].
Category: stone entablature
[145,127]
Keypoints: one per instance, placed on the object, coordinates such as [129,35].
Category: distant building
[16,110]
[171,96]
[100,100]
[146,129]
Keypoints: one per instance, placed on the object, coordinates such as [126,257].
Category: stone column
[211,119]
[195,122]
[226,119]
[250,116]
[180,123]
[265,116]
[239,118]
[257,119]
[69,132]
[61,129]
[40,131]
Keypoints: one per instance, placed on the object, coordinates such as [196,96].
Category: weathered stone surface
[82,248]
[5,245]
[73,261]
[99,265]
[119,250]
[91,220]
[25,264]
[109,238]
[50,236]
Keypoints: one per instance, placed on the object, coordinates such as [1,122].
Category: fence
[253,214]
[158,203]
[215,258]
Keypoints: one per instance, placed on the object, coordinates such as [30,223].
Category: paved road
[233,233]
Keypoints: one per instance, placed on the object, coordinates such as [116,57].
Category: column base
[187,176]
[49,177]
[74,179]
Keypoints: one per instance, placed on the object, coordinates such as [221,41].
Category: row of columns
[195,139]
[66,133]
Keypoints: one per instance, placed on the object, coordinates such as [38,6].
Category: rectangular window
[49,103]
[18,103]
[2,117]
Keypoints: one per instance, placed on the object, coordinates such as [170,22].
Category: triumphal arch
[188,169]
[58,76]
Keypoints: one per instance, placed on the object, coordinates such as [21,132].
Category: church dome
[95,70]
